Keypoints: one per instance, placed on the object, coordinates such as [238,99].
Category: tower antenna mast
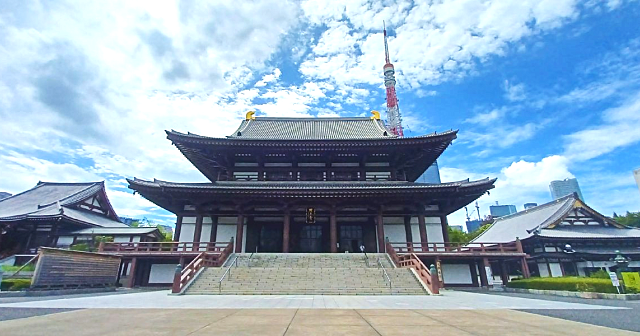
[393,112]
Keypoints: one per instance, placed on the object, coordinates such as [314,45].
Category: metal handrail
[385,275]
[249,260]
[366,258]
[228,271]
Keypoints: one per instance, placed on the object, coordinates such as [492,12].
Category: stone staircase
[311,274]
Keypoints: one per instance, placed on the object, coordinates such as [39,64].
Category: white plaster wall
[205,235]
[186,232]
[456,274]
[65,241]
[136,238]
[121,239]
[162,273]
[581,266]
[395,233]
[226,231]
[544,271]
[434,230]
[556,271]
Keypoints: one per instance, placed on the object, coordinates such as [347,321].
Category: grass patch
[15,284]
[572,284]
[11,269]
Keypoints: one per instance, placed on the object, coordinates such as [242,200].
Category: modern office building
[473,225]
[561,188]
[431,175]
[530,205]
[502,210]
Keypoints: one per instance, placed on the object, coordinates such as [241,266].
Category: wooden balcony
[459,249]
[163,249]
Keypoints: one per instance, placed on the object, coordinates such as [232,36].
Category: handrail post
[177,279]
[435,282]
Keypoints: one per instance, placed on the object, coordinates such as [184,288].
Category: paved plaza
[156,313]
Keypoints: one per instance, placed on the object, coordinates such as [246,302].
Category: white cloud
[619,128]
[269,78]
[514,92]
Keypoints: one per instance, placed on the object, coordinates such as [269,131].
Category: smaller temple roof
[312,129]
[543,221]
[49,200]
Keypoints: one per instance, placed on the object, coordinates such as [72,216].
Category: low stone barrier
[584,295]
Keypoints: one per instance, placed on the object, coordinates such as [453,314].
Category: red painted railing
[410,260]
[407,247]
[163,247]
[182,276]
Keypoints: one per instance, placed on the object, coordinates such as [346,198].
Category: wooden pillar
[132,273]
[53,235]
[504,273]
[525,268]
[333,229]
[380,227]
[445,228]
[197,234]
[214,229]
[176,235]
[285,231]
[239,232]
[423,229]
[474,274]
[407,230]
[484,281]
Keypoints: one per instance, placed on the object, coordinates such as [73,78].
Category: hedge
[15,284]
[572,284]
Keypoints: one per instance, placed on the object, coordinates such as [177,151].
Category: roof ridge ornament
[376,115]
[250,115]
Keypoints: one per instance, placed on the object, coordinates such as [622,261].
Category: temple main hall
[311,185]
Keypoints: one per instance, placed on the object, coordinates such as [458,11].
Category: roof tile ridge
[38,185]
[382,127]
[93,184]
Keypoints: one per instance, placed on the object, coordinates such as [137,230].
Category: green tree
[456,236]
[166,235]
[631,219]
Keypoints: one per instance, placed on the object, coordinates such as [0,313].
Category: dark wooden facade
[351,173]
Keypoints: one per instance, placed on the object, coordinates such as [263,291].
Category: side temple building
[311,185]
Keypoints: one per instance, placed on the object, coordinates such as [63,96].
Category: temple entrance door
[311,238]
[351,238]
[270,238]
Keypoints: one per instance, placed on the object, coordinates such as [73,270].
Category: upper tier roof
[312,129]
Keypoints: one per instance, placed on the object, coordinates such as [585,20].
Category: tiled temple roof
[542,221]
[309,185]
[49,201]
[312,129]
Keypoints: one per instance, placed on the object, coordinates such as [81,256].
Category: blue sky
[540,90]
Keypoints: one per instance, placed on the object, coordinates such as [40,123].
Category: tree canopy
[631,219]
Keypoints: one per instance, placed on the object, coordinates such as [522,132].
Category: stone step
[307,274]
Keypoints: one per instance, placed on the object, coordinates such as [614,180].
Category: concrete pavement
[161,299]
[308,322]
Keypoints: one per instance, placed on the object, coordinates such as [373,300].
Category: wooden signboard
[58,268]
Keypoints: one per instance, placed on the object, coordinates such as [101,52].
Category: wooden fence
[58,268]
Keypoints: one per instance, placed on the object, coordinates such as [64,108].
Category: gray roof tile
[522,224]
[312,129]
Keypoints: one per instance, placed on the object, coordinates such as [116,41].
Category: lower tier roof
[449,196]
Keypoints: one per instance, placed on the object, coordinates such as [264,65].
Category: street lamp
[621,261]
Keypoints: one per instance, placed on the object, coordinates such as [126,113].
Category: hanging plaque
[311,216]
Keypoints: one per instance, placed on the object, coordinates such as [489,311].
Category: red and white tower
[393,112]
